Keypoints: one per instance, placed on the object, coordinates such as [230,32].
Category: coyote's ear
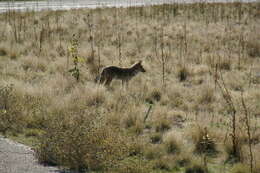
[140,62]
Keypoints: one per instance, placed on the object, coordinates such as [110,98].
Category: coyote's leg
[125,84]
[102,78]
[108,81]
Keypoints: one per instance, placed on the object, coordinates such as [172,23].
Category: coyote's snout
[124,74]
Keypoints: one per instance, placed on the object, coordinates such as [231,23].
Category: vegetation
[196,109]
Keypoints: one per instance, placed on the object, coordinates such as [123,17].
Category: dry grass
[185,50]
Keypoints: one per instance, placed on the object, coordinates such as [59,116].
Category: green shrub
[81,142]
[12,118]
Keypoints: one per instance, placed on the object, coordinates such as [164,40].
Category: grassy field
[196,109]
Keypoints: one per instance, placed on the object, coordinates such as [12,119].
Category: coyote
[124,74]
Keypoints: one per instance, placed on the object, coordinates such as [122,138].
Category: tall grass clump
[172,145]
[203,141]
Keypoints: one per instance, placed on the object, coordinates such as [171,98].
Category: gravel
[18,158]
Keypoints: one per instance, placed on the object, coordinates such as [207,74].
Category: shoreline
[23,6]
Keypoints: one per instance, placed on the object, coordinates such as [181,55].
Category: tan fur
[124,74]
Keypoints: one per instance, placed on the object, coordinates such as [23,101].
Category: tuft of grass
[3,51]
[96,98]
[130,120]
[32,133]
[172,146]
[13,56]
[183,160]
[162,125]
[152,152]
[162,164]
[253,48]
[156,138]
[154,96]
[196,168]
[183,73]
[133,165]
[136,148]
[224,64]
[234,156]
[207,96]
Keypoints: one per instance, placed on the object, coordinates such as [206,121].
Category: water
[72,4]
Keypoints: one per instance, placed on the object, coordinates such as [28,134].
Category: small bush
[12,118]
[204,143]
[81,142]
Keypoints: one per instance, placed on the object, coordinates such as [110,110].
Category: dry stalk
[163,56]
[248,128]
[228,98]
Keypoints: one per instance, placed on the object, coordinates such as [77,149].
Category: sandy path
[18,158]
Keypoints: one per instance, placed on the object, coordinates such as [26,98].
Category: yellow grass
[184,48]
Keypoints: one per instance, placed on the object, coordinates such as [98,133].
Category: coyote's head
[139,67]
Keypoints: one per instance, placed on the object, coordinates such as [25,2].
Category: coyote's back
[124,74]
